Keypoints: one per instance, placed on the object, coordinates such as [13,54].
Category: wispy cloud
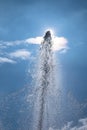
[4,44]
[22,54]
[36,40]
[82,125]
[6,60]
[59,43]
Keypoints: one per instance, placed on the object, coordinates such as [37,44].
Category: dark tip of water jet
[47,35]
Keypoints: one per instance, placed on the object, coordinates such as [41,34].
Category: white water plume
[46,90]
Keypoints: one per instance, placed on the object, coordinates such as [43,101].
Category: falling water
[52,106]
[45,83]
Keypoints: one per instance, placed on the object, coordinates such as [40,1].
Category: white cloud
[59,43]
[36,40]
[6,60]
[22,53]
[82,125]
[5,44]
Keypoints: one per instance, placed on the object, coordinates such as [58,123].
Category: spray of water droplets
[44,87]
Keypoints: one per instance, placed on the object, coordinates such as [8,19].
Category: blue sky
[20,20]
[24,19]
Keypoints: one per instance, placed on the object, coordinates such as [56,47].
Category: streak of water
[44,84]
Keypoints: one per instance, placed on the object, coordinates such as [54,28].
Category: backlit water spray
[45,86]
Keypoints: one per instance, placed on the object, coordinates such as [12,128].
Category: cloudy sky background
[22,20]
[22,26]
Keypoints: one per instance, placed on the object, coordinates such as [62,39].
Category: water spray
[45,81]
